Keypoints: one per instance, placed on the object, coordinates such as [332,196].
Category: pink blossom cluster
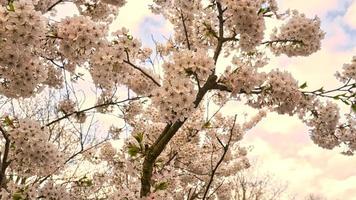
[66,106]
[104,10]
[48,191]
[244,78]
[131,110]
[346,133]
[108,67]
[324,124]
[107,152]
[54,191]
[19,191]
[246,21]
[284,91]
[106,64]
[32,152]
[254,120]
[300,36]
[174,99]
[349,71]
[79,36]
[281,93]
[54,78]
[23,30]
[189,13]
[104,98]
[189,63]
[176,122]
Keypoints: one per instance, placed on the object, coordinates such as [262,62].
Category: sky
[281,143]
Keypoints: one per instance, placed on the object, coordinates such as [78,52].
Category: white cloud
[350,16]
[310,8]
[132,14]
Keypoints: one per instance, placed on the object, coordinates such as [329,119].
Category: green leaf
[139,137]
[304,85]
[8,122]
[321,89]
[345,102]
[10,7]
[17,196]
[336,97]
[263,10]
[207,125]
[52,34]
[133,150]
[130,37]
[251,53]
[353,107]
[161,186]
[85,181]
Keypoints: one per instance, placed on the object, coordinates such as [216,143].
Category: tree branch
[225,149]
[221,32]
[54,5]
[4,163]
[185,30]
[139,69]
[40,181]
[93,107]
[170,130]
[282,41]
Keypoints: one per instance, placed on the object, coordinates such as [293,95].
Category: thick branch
[4,162]
[170,130]
[221,32]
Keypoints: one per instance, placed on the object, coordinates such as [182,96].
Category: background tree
[315,197]
[250,184]
[63,80]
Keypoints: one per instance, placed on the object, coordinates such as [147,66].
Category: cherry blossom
[93,113]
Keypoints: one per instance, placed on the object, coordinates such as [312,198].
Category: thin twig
[93,107]
[185,30]
[139,69]
[54,5]
[225,149]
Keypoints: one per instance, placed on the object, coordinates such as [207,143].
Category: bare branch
[225,149]
[139,69]
[54,5]
[91,108]
[283,41]
[185,30]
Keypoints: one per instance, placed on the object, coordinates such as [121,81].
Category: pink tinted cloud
[350,15]
[308,168]
[310,8]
